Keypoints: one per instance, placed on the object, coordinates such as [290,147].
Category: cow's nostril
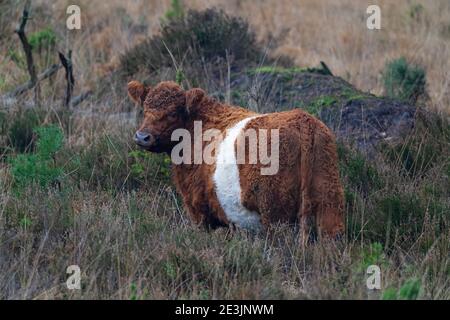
[142,138]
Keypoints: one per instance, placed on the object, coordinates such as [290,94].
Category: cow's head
[166,108]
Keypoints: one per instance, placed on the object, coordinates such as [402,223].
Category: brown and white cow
[305,189]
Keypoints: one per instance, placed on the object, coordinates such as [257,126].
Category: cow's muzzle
[143,139]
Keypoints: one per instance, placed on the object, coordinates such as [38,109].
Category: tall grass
[115,213]
[112,209]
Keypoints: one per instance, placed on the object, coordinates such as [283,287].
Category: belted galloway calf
[235,167]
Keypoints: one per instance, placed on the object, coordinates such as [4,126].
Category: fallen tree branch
[9,101]
[80,98]
[10,98]
[30,84]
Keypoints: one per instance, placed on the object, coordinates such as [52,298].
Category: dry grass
[308,31]
[138,245]
[132,240]
[126,229]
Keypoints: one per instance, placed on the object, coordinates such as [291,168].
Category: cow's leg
[327,190]
[305,214]
[329,211]
[199,211]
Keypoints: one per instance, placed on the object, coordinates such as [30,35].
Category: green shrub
[145,163]
[409,291]
[38,167]
[43,42]
[389,294]
[360,174]
[179,77]
[176,11]
[403,80]
[50,139]
[193,38]
[20,129]
[372,255]
[17,127]
[43,39]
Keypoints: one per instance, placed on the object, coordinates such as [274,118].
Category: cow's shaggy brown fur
[306,188]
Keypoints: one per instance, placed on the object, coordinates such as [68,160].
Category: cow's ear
[193,99]
[137,91]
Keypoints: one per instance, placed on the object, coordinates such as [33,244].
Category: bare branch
[30,85]
[325,68]
[67,64]
[11,97]
[80,98]
[20,30]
